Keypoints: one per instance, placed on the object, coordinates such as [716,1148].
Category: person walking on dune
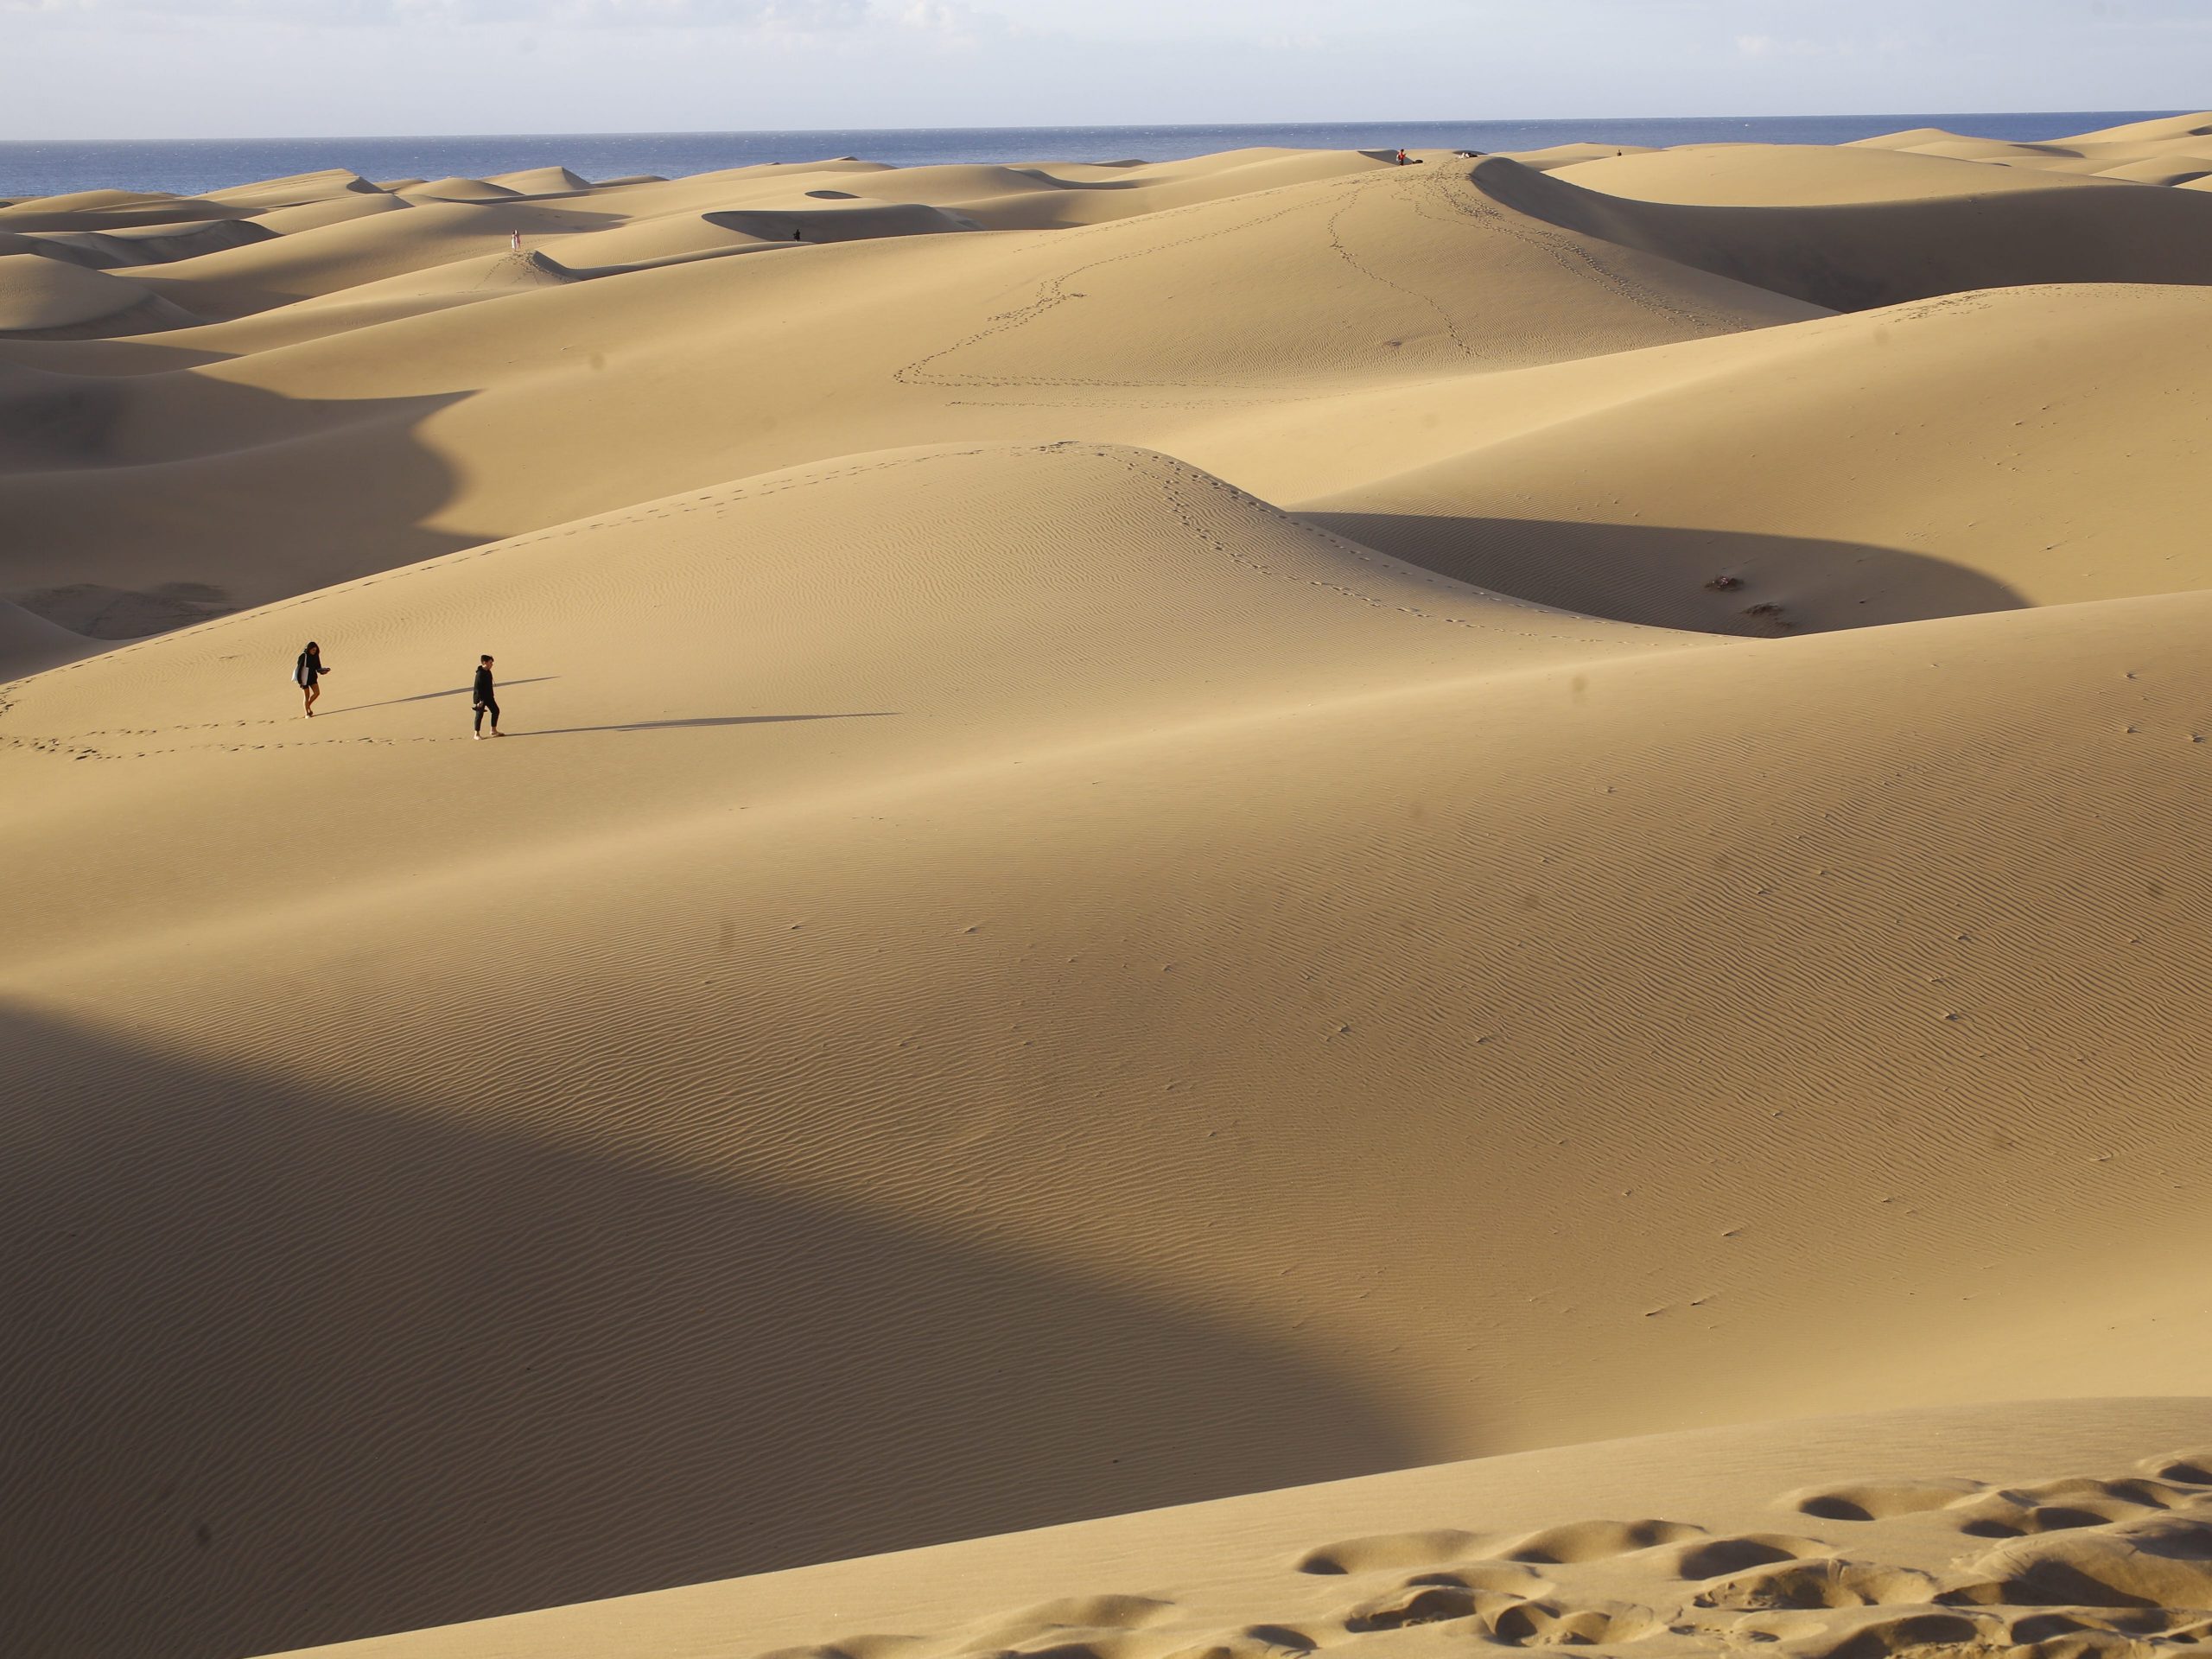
[486,698]
[308,673]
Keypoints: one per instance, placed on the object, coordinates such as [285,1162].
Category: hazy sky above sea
[245,68]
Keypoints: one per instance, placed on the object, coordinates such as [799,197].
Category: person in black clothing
[308,673]
[485,698]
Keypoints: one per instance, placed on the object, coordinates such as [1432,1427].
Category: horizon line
[1128,126]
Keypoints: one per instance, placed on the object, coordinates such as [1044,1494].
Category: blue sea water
[40,168]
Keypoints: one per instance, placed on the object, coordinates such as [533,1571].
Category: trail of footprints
[116,744]
[2082,1568]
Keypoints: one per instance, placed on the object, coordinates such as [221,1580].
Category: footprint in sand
[1874,1501]
[1388,1550]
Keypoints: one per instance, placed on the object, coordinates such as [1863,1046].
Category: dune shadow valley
[1301,902]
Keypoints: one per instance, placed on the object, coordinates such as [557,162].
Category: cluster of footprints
[2069,1569]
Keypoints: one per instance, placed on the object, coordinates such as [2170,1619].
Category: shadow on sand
[1683,577]
[704,720]
[290,1362]
[425,696]
[117,543]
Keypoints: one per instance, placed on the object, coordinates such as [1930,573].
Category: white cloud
[947,19]
[800,16]
[1771,46]
[220,67]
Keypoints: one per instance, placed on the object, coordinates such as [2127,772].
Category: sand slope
[53,299]
[105,210]
[1211,827]
[2168,150]
[1852,254]
[1794,175]
[2018,447]
[1678,1544]
[441,426]
[856,933]
[1224,567]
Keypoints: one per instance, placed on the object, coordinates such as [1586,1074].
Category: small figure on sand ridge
[308,673]
[486,698]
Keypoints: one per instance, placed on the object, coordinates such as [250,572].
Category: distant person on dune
[514,241]
[308,673]
[1403,158]
[486,698]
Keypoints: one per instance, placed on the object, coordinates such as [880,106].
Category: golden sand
[1167,831]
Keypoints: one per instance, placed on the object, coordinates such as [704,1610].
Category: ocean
[40,168]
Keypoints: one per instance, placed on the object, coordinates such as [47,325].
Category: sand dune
[159,244]
[2160,129]
[313,215]
[1558,156]
[1850,256]
[331,184]
[2165,151]
[1758,1534]
[542,181]
[464,190]
[650,221]
[55,299]
[1249,818]
[2042,157]
[64,248]
[834,224]
[1167,831]
[358,249]
[2025,446]
[105,210]
[1355,283]
[2163,169]
[680,235]
[1795,176]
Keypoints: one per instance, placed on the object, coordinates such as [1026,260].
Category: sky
[253,68]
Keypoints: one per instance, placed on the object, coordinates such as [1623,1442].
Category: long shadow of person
[702,720]
[425,696]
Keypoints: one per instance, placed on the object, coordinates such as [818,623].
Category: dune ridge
[1165,830]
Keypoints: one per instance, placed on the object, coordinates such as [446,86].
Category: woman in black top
[486,698]
[308,673]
